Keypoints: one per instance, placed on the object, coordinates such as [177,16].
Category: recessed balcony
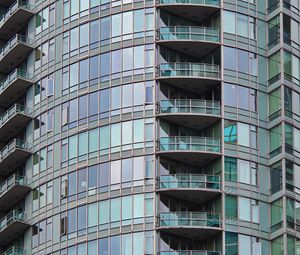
[196,77]
[190,149]
[190,187]
[15,18]
[12,226]
[14,250]
[13,121]
[14,53]
[13,155]
[197,10]
[12,191]
[191,40]
[192,225]
[14,86]
[189,252]
[193,113]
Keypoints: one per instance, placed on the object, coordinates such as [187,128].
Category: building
[167,127]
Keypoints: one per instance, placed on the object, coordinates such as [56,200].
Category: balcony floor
[193,84]
[13,161]
[7,2]
[197,158]
[14,57]
[195,12]
[195,233]
[12,196]
[15,22]
[198,196]
[11,232]
[192,48]
[190,120]
[14,125]
[14,91]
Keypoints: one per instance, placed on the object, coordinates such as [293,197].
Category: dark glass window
[229,58]
[104,175]
[243,61]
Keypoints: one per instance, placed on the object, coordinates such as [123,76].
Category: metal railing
[10,218]
[189,252]
[189,181]
[189,33]
[189,219]
[16,108]
[14,250]
[11,182]
[200,2]
[12,9]
[12,43]
[11,147]
[197,106]
[185,143]
[17,73]
[189,69]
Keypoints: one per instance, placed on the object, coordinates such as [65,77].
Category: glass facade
[150,127]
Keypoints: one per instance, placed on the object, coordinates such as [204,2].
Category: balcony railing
[12,9]
[11,182]
[17,73]
[11,147]
[189,219]
[189,181]
[16,108]
[14,251]
[194,106]
[189,252]
[12,43]
[215,3]
[12,217]
[189,70]
[190,143]
[189,33]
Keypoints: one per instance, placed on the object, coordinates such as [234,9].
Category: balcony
[13,121]
[14,250]
[12,226]
[13,155]
[14,86]
[192,225]
[190,149]
[189,252]
[196,77]
[197,10]
[194,41]
[15,18]
[12,191]
[190,187]
[14,53]
[193,113]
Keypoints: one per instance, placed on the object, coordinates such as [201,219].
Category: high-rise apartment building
[150,127]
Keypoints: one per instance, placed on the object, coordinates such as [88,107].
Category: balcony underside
[195,121]
[12,196]
[13,126]
[192,48]
[197,158]
[191,195]
[195,12]
[193,233]
[14,91]
[12,231]
[14,57]
[197,85]
[13,161]
[15,22]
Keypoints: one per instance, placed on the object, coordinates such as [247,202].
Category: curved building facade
[166,127]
